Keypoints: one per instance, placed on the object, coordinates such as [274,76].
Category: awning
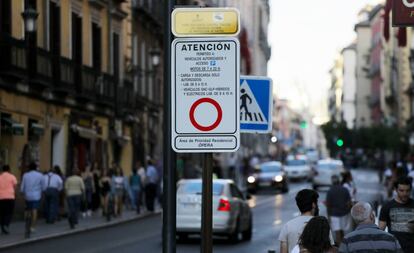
[10,126]
[37,129]
[87,133]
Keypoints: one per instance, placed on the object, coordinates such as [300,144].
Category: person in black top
[397,213]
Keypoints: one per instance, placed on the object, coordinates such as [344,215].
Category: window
[196,188]
[115,56]
[143,68]
[96,47]
[76,38]
[54,28]
[5,16]
[235,192]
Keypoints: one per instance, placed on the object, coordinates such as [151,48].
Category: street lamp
[155,56]
[30,16]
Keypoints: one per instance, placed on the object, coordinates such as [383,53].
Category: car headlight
[278,178]
[251,179]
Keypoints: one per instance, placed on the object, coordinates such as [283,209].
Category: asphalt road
[270,209]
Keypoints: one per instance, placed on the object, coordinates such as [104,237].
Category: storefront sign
[403,13]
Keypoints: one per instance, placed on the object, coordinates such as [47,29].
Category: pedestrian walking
[136,188]
[8,184]
[118,189]
[338,204]
[367,236]
[31,187]
[315,237]
[411,175]
[151,187]
[52,185]
[349,184]
[87,177]
[143,175]
[62,197]
[105,185]
[75,190]
[398,213]
[96,196]
[307,202]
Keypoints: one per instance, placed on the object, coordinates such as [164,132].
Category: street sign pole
[207,206]
[169,190]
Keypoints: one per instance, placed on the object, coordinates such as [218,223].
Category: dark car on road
[268,175]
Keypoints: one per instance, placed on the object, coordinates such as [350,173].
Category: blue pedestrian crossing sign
[256,101]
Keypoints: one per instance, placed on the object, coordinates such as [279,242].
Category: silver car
[324,171]
[232,216]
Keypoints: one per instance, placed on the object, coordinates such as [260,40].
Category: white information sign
[205,95]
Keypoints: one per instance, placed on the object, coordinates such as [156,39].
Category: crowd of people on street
[350,225]
[82,193]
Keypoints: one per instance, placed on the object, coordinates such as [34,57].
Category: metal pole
[207,209]
[169,200]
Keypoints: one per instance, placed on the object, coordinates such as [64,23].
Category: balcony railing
[13,59]
[61,75]
[126,96]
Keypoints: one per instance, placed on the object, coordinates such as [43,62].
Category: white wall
[363,84]
[349,86]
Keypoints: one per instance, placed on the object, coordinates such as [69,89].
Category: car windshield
[196,188]
[270,168]
[327,166]
[296,162]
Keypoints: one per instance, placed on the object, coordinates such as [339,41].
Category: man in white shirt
[307,202]
[52,185]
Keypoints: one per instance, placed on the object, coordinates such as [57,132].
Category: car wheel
[247,235]
[285,189]
[234,236]
[315,187]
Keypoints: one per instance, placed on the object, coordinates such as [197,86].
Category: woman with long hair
[315,237]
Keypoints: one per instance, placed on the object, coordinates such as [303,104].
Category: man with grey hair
[367,237]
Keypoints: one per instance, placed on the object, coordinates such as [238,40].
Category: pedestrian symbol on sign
[244,97]
[249,112]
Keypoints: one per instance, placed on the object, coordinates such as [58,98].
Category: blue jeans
[135,194]
[74,203]
[51,204]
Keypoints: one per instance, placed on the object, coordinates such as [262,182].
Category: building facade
[348,109]
[69,92]
[363,90]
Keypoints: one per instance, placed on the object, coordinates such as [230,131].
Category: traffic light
[303,124]
[339,142]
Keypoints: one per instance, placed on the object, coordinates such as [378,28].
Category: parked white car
[232,216]
[298,168]
[324,170]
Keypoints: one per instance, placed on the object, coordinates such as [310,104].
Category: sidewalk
[61,228]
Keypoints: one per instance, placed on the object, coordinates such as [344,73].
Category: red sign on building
[403,13]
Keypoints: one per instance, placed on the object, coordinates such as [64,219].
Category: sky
[305,37]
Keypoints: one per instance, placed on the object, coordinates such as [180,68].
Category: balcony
[126,98]
[13,63]
[60,75]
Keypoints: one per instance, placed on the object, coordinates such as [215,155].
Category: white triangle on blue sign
[250,111]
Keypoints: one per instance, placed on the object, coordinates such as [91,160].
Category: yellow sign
[205,22]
